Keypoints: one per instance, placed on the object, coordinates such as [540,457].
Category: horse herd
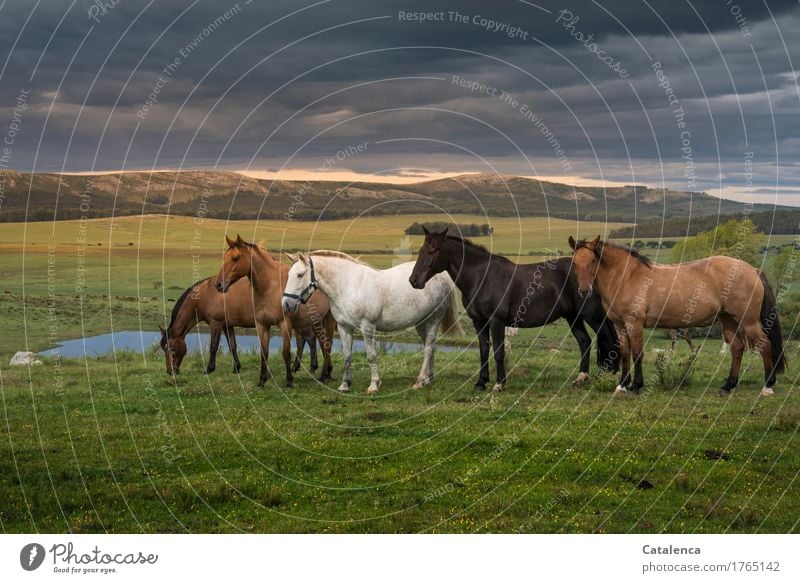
[614,290]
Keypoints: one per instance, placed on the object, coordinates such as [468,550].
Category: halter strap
[303,296]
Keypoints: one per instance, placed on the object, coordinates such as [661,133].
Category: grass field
[104,275]
[113,444]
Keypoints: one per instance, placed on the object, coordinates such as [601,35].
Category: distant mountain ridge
[229,195]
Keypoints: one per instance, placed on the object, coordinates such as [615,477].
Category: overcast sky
[622,91]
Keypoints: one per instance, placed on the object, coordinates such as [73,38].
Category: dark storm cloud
[253,83]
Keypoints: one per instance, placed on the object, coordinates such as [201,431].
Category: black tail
[772,326]
[608,356]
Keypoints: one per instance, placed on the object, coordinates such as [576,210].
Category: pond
[146,341]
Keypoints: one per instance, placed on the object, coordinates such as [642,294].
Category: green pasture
[114,444]
[67,279]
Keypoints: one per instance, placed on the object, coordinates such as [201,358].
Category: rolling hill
[229,195]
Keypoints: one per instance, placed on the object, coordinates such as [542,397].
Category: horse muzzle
[221,287]
[289,305]
[416,282]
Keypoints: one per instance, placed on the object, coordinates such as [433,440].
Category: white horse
[371,300]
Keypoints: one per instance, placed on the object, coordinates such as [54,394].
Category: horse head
[236,263]
[300,283]
[431,259]
[585,260]
[174,348]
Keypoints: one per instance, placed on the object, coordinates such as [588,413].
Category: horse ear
[425,231]
[572,242]
[162,330]
[239,239]
[596,240]
[302,257]
[443,234]
[293,257]
[229,241]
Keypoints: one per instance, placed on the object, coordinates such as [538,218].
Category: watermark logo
[31,556]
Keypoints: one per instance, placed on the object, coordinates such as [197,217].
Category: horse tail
[608,353]
[450,323]
[772,326]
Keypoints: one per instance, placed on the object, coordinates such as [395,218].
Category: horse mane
[629,250]
[477,246]
[181,300]
[339,255]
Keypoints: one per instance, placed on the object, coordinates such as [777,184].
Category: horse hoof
[210,369]
[480,387]
[767,392]
[498,387]
[580,380]
[372,390]
[343,388]
[620,390]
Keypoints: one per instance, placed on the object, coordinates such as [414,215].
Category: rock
[23,358]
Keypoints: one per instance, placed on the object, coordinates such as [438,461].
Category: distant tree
[735,239]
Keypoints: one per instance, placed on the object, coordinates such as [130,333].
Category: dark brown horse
[637,293]
[268,280]
[203,303]
[497,293]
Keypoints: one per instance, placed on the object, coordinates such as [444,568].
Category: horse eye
[299,275]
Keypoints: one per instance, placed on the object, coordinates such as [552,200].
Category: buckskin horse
[497,293]
[203,303]
[637,292]
[268,279]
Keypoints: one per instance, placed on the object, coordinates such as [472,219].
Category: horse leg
[312,345]
[346,334]
[482,328]
[324,334]
[216,334]
[263,340]
[585,344]
[286,332]
[636,347]
[687,335]
[301,343]
[427,331]
[370,343]
[758,338]
[673,336]
[730,331]
[230,336]
[624,358]
[498,330]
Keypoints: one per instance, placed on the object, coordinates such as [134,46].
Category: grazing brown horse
[203,303]
[268,279]
[637,293]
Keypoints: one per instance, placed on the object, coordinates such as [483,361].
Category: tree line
[461,229]
[785,222]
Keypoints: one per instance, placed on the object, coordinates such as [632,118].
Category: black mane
[182,299]
[473,245]
[629,250]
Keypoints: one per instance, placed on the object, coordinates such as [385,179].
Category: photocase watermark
[350,151]
[197,234]
[183,53]
[14,128]
[101,8]
[548,508]
[169,449]
[738,16]
[81,239]
[568,20]
[475,470]
[686,149]
[512,31]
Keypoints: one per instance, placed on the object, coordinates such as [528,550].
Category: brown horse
[268,279]
[203,303]
[636,293]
